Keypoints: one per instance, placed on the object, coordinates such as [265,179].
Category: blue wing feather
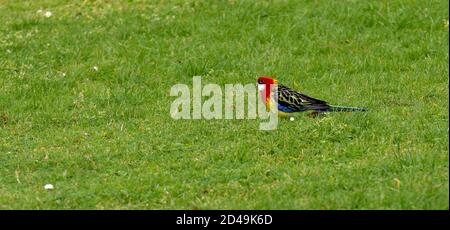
[286,109]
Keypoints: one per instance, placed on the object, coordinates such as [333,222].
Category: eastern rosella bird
[290,101]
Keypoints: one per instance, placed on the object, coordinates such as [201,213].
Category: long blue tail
[338,108]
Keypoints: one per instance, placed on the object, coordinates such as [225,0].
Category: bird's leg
[313,114]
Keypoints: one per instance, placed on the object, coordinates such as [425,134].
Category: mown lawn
[105,138]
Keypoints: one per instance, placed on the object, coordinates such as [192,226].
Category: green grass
[105,138]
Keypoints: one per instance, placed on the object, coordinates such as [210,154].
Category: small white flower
[47,14]
[48,187]
[63,74]
[291,119]
[95,68]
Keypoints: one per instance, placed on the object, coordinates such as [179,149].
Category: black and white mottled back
[291,101]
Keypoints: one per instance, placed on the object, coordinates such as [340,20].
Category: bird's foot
[314,114]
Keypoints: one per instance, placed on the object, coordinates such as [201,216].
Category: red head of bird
[264,83]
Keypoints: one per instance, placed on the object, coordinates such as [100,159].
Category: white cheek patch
[261,87]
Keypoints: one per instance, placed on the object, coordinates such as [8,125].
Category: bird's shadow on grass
[313,115]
